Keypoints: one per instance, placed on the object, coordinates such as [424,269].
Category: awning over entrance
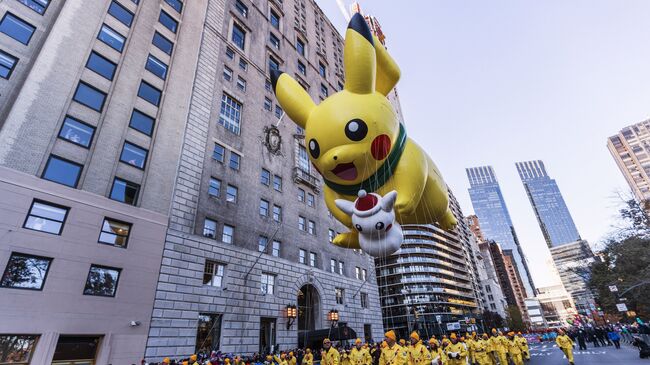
[314,339]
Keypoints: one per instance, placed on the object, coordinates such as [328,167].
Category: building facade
[249,231]
[490,207]
[557,306]
[91,107]
[572,261]
[630,148]
[551,211]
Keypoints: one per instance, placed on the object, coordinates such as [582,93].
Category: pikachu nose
[335,157]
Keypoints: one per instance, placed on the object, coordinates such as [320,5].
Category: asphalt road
[549,354]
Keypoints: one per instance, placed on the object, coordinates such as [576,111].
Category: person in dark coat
[582,339]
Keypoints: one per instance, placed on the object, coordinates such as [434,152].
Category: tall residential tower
[631,151]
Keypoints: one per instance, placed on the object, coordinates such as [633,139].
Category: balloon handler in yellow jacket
[515,350]
[480,348]
[523,342]
[360,355]
[393,354]
[356,141]
[330,355]
[418,353]
[565,344]
[455,352]
[308,359]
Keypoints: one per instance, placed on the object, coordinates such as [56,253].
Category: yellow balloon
[356,142]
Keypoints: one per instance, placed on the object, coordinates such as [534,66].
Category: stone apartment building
[125,144]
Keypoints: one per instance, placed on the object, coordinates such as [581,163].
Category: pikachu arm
[347,239]
[409,179]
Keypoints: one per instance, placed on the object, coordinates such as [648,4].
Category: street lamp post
[292,314]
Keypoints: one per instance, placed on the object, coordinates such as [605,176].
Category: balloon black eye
[356,129]
[358,227]
[314,148]
[379,226]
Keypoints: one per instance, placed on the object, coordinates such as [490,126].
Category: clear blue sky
[496,82]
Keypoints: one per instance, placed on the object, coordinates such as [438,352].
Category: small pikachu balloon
[356,142]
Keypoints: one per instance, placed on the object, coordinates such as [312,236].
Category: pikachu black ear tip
[275,75]
[358,24]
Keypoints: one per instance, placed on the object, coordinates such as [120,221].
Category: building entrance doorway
[309,317]
[267,335]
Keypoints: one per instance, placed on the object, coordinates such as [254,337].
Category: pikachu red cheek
[380,147]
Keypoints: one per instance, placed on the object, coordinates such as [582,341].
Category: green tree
[515,321]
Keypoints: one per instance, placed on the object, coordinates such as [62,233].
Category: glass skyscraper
[552,213]
[494,218]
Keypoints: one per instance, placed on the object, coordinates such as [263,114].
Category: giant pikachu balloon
[356,142]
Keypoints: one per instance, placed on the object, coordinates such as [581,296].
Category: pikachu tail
[448,221]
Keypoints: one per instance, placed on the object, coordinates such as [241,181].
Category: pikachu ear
[292,97]
[387,70]
[359,57]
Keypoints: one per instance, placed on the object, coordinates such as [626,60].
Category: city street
[549,354]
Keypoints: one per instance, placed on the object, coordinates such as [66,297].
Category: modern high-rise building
[490,207]
[572,261]
[631,151]
[557,306]
[550,209]
[92,106]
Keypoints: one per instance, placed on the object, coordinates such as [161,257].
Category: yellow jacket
[345,359]
[458,349]
[500,344]
[419,355]
[393,356]
[523,342]
[564,342]
[331,357]
[514,348]
[360,356]
[480,351]
[493,343]
[308,359]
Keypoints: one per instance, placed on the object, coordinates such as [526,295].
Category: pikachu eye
[314,148]
[356,129]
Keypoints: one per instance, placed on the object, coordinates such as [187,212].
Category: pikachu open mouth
[345,171]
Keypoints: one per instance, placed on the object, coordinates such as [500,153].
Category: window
[227,234]
[231,194]
[112,38]
[125,191]
[490,297]
[301,195]
[134,155]
[302,223]
[141,122]
[275,42]
[101,65]
[215,187]
[267,104]
[312,259]
[38,6]
[300,47]
[209,228]
[230,53]
[241,8]
[149,93]
[274,18]
[330,235]
[115,233]
[341,268]
[238,36]
[488,289]
[230,114]
[7,64]
[301,68]
[241,84]
[234,161]
[243,64]
[76,132]
[163,43]
[167,20]
[311,228]
[273,63]
[323,90]
[120,13]
[265,177]
[25,272]
[89,96]
[17,348]
[364,300]
[156,67]
[213,273]
[303,160]
[227,73]
[62,171]
[208,331]
[340,85]
[493,306]
[268,283]
[302,256]
[277,182]
[310,200]
[357,273]
[219,152]
[275,249]
[264,208]
[267,85]
[261,243]
[332,265]
[277,213]
[340,295]
[278,111]
[46,217]
[364,274]
[16,28]
[102,281]
[176,4]
[322,70]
